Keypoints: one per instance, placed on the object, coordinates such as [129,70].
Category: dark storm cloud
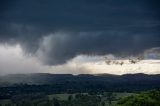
[88,27]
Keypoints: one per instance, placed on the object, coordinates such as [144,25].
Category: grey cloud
[58,30]
[59,47]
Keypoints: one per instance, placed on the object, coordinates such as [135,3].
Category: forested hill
[44,78]
[131,82]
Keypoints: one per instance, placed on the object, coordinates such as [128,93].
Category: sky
[80,36]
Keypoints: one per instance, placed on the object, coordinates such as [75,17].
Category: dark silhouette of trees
[110,96]
[103,103]
[56,102]
[150,98]
[70,98]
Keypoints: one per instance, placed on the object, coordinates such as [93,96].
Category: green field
[147,98]
[60,96]
[5,102]
[118,95]
[65,96]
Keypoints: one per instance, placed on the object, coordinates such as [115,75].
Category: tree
[150,98]
[70,98]
[110,96]
[56,102]
[103,103]
[77,96]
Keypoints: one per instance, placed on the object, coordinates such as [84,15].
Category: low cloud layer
[14,61]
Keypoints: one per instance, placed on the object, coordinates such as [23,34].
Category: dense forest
[148,98]
[80,90]
[53,83]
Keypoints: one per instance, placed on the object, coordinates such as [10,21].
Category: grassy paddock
[5,102]
[118,95]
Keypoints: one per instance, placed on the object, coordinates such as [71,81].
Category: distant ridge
[102,82]
[41,78]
